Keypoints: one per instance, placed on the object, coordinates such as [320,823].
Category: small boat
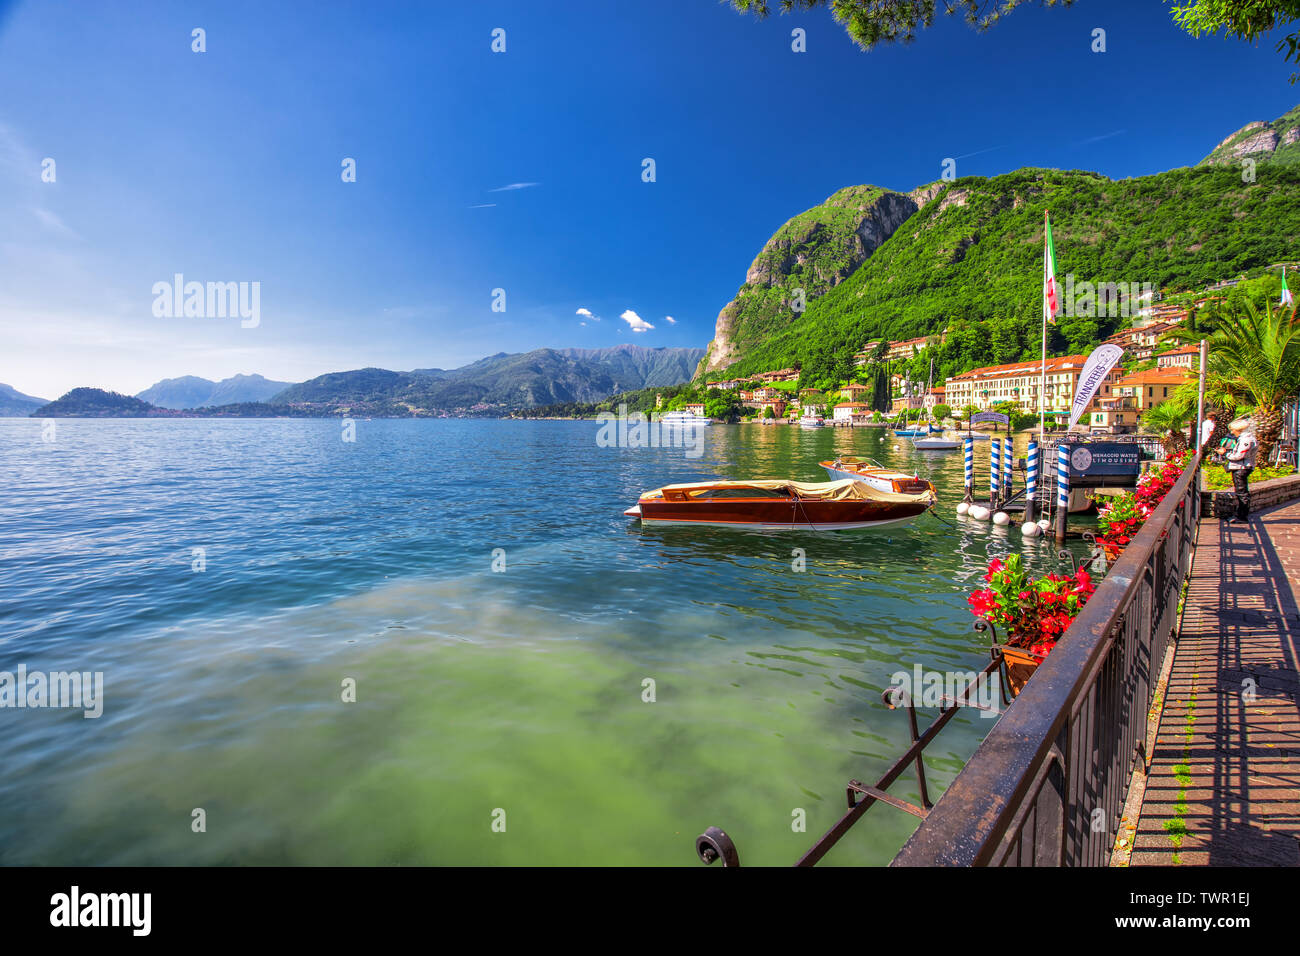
[779,504]
[915,432]
[812,421]
[688,419]
[876,475]
[935,443]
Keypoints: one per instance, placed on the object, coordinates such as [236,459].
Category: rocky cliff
[809,255]
[1275,142]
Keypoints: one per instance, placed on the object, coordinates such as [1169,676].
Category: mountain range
[497,384]
[190,391]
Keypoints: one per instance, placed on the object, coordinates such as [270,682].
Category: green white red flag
[1051,291]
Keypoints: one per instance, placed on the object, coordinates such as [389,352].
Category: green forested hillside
[970,261]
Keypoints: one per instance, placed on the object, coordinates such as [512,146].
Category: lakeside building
[852,412]
[1117,415]
[780,375]
[696,408]
[1019,382]
[728,385]
[777,405]
[1151,387]
[853,391]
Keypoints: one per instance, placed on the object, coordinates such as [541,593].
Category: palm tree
[1167,420]
[1255,359]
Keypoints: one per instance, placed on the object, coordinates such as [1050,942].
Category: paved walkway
[1224,783]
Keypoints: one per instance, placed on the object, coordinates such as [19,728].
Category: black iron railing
[1047,785]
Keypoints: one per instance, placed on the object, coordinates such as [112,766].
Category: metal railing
[1059,761]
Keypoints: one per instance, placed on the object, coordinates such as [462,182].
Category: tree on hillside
[870,22]
[1254,358]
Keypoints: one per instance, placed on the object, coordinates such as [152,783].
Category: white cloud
[512,186]
[670,320]
[587,314]
[635,322]
[483,205]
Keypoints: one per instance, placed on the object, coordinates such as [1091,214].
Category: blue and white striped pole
[1062,490]
[1006,469]
[970,469]
[994,467]
[1031,482]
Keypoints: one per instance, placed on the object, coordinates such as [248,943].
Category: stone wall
[1263,494]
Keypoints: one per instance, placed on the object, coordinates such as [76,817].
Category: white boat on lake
[687,419]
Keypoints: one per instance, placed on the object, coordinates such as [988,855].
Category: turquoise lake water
[477,690]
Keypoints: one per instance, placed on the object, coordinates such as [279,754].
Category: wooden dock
[1223,787]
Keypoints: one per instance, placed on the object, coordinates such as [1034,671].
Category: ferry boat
[876,475]
[684,418]
[812,421]
[779,505]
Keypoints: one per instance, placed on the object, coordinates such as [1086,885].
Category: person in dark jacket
[1241,462]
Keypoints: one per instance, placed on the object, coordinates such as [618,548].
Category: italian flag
[1286,293]
[1051,291]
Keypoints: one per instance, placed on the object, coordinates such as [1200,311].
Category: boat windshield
[714,493]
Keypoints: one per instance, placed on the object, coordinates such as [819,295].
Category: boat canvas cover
[846,489]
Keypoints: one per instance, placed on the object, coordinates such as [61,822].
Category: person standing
[1208,426]
[1241,462]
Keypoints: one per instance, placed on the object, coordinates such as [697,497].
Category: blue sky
[225,165]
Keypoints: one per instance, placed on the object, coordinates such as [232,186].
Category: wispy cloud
[483,205]
[53,223]
[1098,139]
[979,151]
[670,320]
[635,322]
[512,186]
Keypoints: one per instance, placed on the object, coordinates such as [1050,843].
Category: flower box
[1018,665]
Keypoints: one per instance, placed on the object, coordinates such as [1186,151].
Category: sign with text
[1100,462]
[1095,370]
[990,417]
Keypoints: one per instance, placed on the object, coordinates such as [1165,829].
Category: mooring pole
[970,469]
[995,467]
[1062,490]
[1031,481]
[1006,469]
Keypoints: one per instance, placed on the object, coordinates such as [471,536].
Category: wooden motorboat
[876,475]
[779,504]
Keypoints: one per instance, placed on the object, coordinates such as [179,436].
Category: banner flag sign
[1095,370]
